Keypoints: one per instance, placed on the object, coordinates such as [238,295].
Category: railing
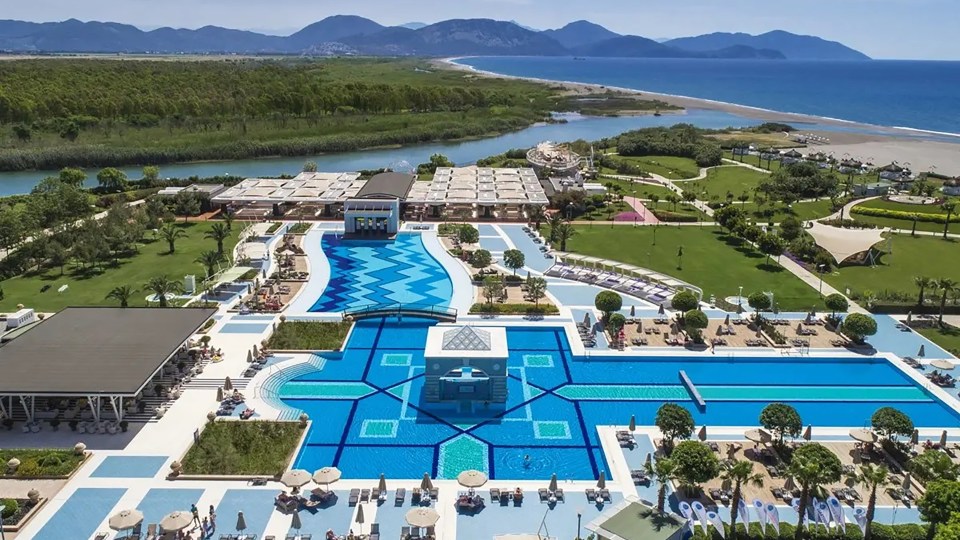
[442,313]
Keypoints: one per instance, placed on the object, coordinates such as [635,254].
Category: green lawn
[801,210]
[643,191]
[309,335]
[671,167]
[754,160]
[948,338]
[252,447]
[90,287]
[906,224]
[723,180]
[903,207]
[919,256]
[712,261]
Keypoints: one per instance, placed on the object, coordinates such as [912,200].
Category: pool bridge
[440,313]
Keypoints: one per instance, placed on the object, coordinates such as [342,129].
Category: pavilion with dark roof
[93,353]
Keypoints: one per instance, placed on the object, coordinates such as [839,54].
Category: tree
[675,422]
[536,289]
[694,322]
[112,179]
[857,326]
[57,254]
[836,302]
[122,294]
[72,176]
[553,223]
[170,233]
[468,234]
[948,206]
[209,259]
[663,471]
[513,259]
[946,286]
[481,258]
[873,477]
[492,288]
[684,301]
[782,420]
[565,231]
[949,530]
[759,302]
[536,214]
[939,503]
[218,232]
[151,173]
[728,216]
[615,323]
[163,286]
[739,473]
[69,131]
[923,283]
[608,302]
[310,166]
[696,464]
[22,133]
[812,466]
[891,423]
[227,220]
[771,245]
[436,161]
[186,204]
[791,228]
[934,465]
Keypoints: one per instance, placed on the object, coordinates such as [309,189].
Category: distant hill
[459,37]
[641,47]
[579,34]
[793,46]
[332,29]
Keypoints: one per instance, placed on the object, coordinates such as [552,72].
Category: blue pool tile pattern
[129,467]
[159,502]
[243,328]
[256,505]
[364,272]
[80,516]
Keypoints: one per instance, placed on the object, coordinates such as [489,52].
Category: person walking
[196,514]
[213,517]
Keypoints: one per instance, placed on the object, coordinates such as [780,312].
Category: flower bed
[42,463]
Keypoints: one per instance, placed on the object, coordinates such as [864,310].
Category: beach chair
[404,532]
[151,531]
[374,531]
[137,532]
[559,494]
[605,494]
[543,494]
[364,495]
[354,497]
[431,532]
[400,496]
[414,532]
[375,494]
[494,494]
[591,494]
[434,493]
[415,495]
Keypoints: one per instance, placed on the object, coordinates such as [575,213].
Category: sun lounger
[434,493]
[415,532]
[543,494]
[431,532]
[494,494]
[364,495]
[591,494]
[605,495]
[354,497]
[151,531]
[404,532]
[374,531]
[559,494]
[400,496]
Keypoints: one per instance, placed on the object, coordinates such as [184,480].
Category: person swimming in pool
[526,461]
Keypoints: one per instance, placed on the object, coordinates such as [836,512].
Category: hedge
[908,216]
[676,217]
[515,309]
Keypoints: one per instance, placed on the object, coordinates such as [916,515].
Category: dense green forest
[85,112]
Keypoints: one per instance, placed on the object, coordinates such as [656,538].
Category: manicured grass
[723,180]
[753,160]
[906,224]
[712,261]
[42,462]
[904,207]
[309,335]
[948,338]
[299,228]
[912,256]
[802,210]
[670,167]
[643,191]
[89,287]
[243,447]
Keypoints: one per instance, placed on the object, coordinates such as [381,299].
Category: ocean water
[922,95]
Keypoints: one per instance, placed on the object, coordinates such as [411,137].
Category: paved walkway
[646,216]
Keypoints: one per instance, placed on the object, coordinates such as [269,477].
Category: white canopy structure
[314,187]
[842,243]
[479,186]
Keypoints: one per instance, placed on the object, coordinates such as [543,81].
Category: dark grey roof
[387,185]
[95,350]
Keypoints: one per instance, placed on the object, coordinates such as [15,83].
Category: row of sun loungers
[598,496]
[640,477]
[408,533]
[652,292]
[626,440]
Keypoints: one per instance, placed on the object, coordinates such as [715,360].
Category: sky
[896,29]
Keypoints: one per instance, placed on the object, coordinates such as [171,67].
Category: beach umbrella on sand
[219,394]
[808,433]
[472,478]
[241,521]
[295,522]
[915,437]
[227,384]
[256,352]
[426,483]
[602,481]
[176,521]
[382,486]
[640,327]
[942,364]
[125,519]
[943,440]
[720,330]
[799,327]
[553,483]
[661,311]
[702,434]
[633,311]
[789,484]
[326,475]
[633,423]
[295,478]
[739,309]
[359,518]
[422,517]
[922,352]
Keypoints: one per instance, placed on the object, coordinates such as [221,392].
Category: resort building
[315,194]
[466,365]
[476,193]
[376,207]
[556,158]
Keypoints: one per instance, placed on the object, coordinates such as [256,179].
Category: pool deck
[122,473]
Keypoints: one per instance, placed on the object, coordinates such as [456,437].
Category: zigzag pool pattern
[381,272]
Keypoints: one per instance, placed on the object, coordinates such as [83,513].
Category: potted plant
[123,425]
[55,424]
[73,425]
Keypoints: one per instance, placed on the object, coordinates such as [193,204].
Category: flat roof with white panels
[310,187]
[479,185]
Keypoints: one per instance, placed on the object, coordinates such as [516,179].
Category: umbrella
[295,522]
[326,475]
[915,437]
[808,433]
[906,482]
[922,352]
[255,351]
[799,327]
[633,311]
[249,357]
[726,321]
[942,364]
[602,481]
[943,440]
[789,484]
[359,518]
[295,478]
[219,394]
[176,521]
[472,478]
[227,384]
[426,483]
[241,521]
[633,423]
[720,330]
[422,517]
[640,327]
[649,459]
[909,317]
[382,486]
[757,436]
[702,434]
[863,435]
[586,319]
[739,309]
[661,311]
[125,519]
[553,483]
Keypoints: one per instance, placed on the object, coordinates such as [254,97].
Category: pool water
[365,272]
[370,416]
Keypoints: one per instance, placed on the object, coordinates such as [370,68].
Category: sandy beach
[881,146]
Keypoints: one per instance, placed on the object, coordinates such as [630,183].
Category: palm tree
[161,286]
[121,294]
[949,207]
[810,475]
[873,477]
[218,232]
[536,215]
[227,220]
[739,473]
[923,283]
[209,260]
[664,471]
[915,217]
[565,231]
[171,233]
[554,222]
[946,286]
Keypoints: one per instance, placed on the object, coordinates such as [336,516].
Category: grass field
[948,338]
[309,335]
[920,256]
[643,191]
[723,180]
[674,168]
[906,224]
[712,261]
[89,288]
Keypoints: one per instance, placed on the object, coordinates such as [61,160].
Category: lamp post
[579,517]
[740,297]
[820,268]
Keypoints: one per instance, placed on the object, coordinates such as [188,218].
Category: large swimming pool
[370,418]
[364,272]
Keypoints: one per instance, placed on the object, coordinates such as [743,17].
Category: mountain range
[352,35]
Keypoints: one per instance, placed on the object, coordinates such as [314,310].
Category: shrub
[858,326]
[515,309]
[615,323]
[758,301]
[481,258]
[694,322]
[252,447]
[309,335]
[836,303]
[684,301]
[8,508]
[674,217]
[906,216]
[608,302]
[468,234]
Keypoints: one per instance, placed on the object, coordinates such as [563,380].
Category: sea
[913,95]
